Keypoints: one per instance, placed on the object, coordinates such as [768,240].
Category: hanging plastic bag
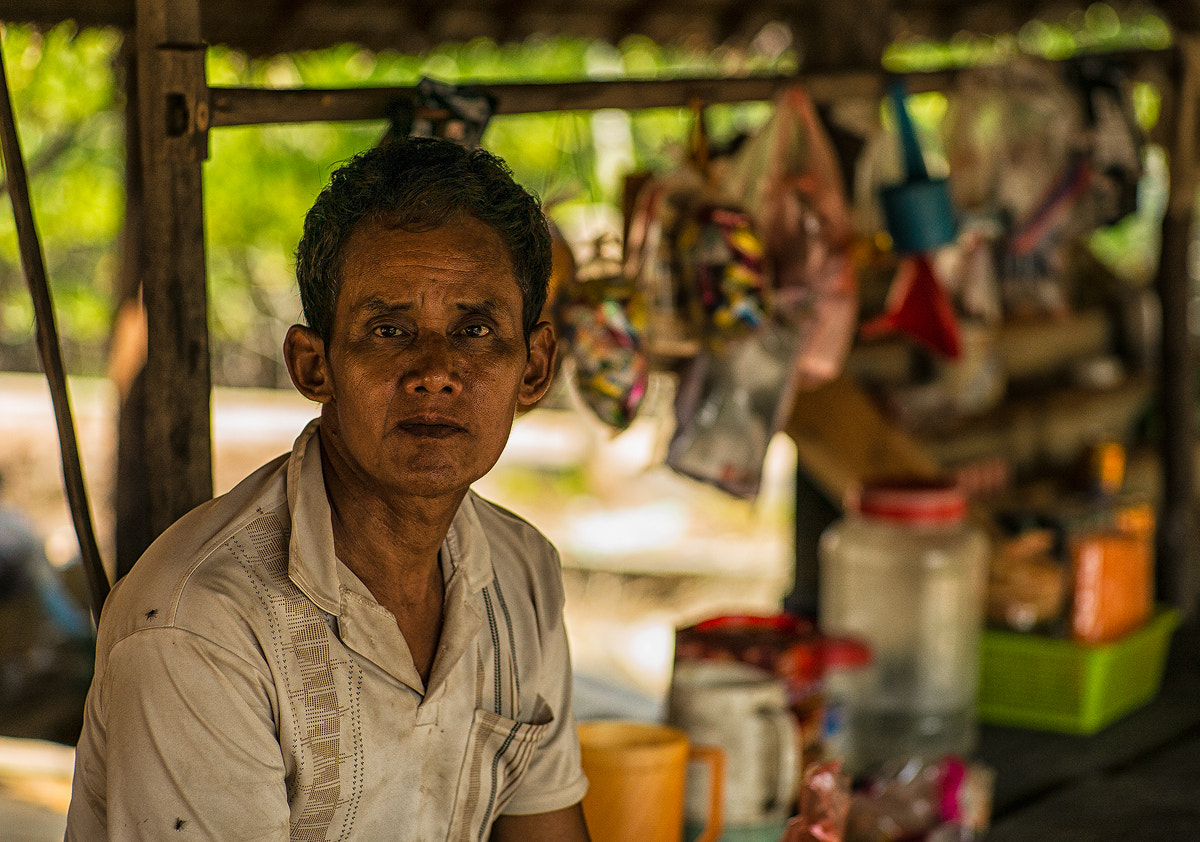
[789,176]
[729,405]
[673,319]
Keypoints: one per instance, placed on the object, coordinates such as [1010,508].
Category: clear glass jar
[847,662]
[904,571]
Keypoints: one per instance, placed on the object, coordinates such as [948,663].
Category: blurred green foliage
[1098,28]
[68,111]
[259,181]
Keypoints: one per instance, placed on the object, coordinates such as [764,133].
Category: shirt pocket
[498,753]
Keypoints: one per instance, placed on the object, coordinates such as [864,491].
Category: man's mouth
[431,429]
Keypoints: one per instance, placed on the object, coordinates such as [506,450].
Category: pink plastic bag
[788,175]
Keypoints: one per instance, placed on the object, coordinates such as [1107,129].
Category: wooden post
[173,110]
[1176,571]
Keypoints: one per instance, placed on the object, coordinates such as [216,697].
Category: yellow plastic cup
[636,773]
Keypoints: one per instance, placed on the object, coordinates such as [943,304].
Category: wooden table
[1138,779]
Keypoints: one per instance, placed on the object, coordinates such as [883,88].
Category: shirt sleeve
[179,742]
[555,776]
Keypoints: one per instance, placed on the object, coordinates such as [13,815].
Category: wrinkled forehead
[486,243]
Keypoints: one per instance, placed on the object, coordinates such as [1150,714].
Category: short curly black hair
[419,184]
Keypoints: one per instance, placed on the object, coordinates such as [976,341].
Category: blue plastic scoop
[917,211]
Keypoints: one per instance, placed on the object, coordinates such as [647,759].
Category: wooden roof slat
[265,27]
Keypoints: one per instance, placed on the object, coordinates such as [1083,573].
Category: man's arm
[185,741]
[565,825]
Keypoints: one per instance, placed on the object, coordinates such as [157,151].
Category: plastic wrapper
[697,261]
[1052,155]
[600,316]
[923,800]
[824,805]
[728,407]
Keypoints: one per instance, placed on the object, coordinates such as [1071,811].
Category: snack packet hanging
[694,254]
[601,315]
[722,260]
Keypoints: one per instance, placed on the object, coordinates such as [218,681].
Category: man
[350,644]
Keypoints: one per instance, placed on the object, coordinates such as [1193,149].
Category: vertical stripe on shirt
[496,653]
[512,647]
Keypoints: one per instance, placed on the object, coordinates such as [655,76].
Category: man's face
[426,361]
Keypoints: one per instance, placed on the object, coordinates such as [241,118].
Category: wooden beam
[239,106]
[173,110]
[256,106]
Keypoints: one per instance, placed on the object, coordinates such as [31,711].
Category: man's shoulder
[520,553]
[504,526]
[194,569]
[492,512]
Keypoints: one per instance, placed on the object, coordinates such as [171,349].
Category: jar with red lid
[905,572]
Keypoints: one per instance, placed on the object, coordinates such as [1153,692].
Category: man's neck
[391,544]
[390,541]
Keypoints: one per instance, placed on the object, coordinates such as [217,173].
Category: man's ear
[304,353]
[539,368]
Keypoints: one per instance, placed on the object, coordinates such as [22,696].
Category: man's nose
[432,366]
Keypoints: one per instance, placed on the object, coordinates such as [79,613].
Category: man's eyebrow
[486,307]
[379,307]
[376,306]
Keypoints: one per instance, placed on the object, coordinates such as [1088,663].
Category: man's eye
[477,331]
[387,331]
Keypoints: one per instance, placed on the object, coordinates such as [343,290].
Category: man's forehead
[372,226]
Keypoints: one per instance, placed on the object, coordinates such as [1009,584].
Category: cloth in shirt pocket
[498,753]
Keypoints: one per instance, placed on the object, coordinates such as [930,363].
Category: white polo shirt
[248,686]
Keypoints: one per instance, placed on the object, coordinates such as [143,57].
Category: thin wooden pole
[48,348]
[132,498]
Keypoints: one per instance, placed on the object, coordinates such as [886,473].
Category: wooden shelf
[1028,348]
[1049,430]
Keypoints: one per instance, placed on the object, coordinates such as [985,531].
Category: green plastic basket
[1033,681]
